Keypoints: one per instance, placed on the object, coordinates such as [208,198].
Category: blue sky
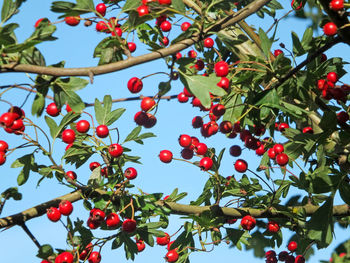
[75,46]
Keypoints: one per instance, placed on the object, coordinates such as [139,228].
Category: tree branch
[132,61]
[178,209]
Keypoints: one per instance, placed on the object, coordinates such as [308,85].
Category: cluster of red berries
[172,254]
[86,254]
[330,91]
[64,208]
[12,120]
[277,153]
[336,5]
[285,256]
[144,117]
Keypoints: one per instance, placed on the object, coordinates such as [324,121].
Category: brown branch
[132,61]
[178,209]
[31,236]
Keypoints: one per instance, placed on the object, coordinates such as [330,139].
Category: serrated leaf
[266,43]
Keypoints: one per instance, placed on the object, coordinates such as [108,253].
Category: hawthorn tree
[287,106]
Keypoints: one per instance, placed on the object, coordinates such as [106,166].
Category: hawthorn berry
[187,153]
[93,224]
[64,257]
[37,23]
[115,150]
[3,146]
[332,77]
[235,150]
[130,173]
[135,85]
[271,153]
[182,98]
[282,126]
[330,29]
[336,5]
[225,127]
[147,103]
[221,69]
[140,245]
[94,165]
[201,148]
[142,10]
[208,42]
[261,150]
[241,166]
[218,110]
[282,256]
[277,52]
[83,126]
[65,207]
[165,156]
[299,259]
[248,222]
[101,9]
[308,130]
[282,159]
[278,148]
[102,131]
[68,136]
[185,140]
[112,220]
[165,26]
[206,163]
[185,26]
[292,246]
[72,20]
[165,41]
[140,118]
[97,214]
[172,255]
[164,2]
[192,54]
[52,110]
[131,46]
[129,225]
[197,122]
[162,241]
[273,227]
[53,214]
[72,175]
[151,120]
[95,257]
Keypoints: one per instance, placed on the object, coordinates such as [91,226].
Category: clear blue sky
[75,46]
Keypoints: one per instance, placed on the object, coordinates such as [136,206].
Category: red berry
[95,257]
[140,118]
[68,136]
[308,130]
[192,54]
[182,98]
[142,10]
[65,207]
[248,222]
[197,122]
[162,241]
[83,126]
[299,259]
[271,153]
[221,69]
[102,131]
[332,77]
[147,103]
[140,245]
[17,124]
[201,148]
[218,110]
[93,224]
[185,140]
[178,55]
[72,175]
[277,52]
[172,255]
[235,150]
[336,5]
[130,173]
[3,146]
[112,220]
[278,148]
[270,253]
[65,257]
[261,150]
[52,110]
[292,246]
[225,127]
[187,153]
[282,159]
[282,256]
[208,42]
[72,20]
[330,29]
[131,46]
[165,41]
[206,163]
[283,126]
[241,166]
[151,120]
[94,165]
[97,214]
[115,150]
[135,85]
[101,9]
[129,225]
[164,2]
[165,156]
[185,26]
[53,214]
[37,23]
[224,83]
[273,227]
[165,26]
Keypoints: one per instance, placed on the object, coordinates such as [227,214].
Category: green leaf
[344,191]
[202,86]
[67,119]
[114,115]
[307,38]
[298,49]
[27,162]
[131,4]
[163,88]
[78,155]
[10,8]
[101,112]
[45,251]
[179,5]
[266,43]
[321,224]
[12,192]
[133,134]
[86,4]
[52,125]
